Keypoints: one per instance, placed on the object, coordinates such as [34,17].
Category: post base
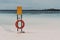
[22,32]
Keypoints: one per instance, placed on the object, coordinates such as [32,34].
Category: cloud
[29,4]
[42,4]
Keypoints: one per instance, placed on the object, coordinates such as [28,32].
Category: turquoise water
[10,18]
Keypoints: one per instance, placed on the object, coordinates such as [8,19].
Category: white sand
[35,29]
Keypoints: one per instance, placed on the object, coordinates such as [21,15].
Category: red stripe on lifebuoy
[16,24]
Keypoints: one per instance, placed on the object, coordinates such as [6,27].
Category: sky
[29,4]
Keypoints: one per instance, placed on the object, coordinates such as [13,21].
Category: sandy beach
[36,27]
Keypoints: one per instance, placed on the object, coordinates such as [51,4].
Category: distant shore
[33,11]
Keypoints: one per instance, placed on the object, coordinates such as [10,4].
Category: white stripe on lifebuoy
[22,26]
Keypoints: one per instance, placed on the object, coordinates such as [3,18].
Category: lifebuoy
[16,24]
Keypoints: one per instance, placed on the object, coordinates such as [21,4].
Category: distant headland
[51,10]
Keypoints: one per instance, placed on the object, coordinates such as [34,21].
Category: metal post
[21,22]
[17,19]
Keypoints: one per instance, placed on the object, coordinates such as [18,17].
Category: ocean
[10,18]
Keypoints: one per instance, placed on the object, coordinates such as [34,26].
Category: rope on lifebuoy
[22,26]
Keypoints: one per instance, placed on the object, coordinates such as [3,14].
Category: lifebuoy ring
[16,24]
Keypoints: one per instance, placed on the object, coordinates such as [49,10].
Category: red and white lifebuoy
[22,26]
